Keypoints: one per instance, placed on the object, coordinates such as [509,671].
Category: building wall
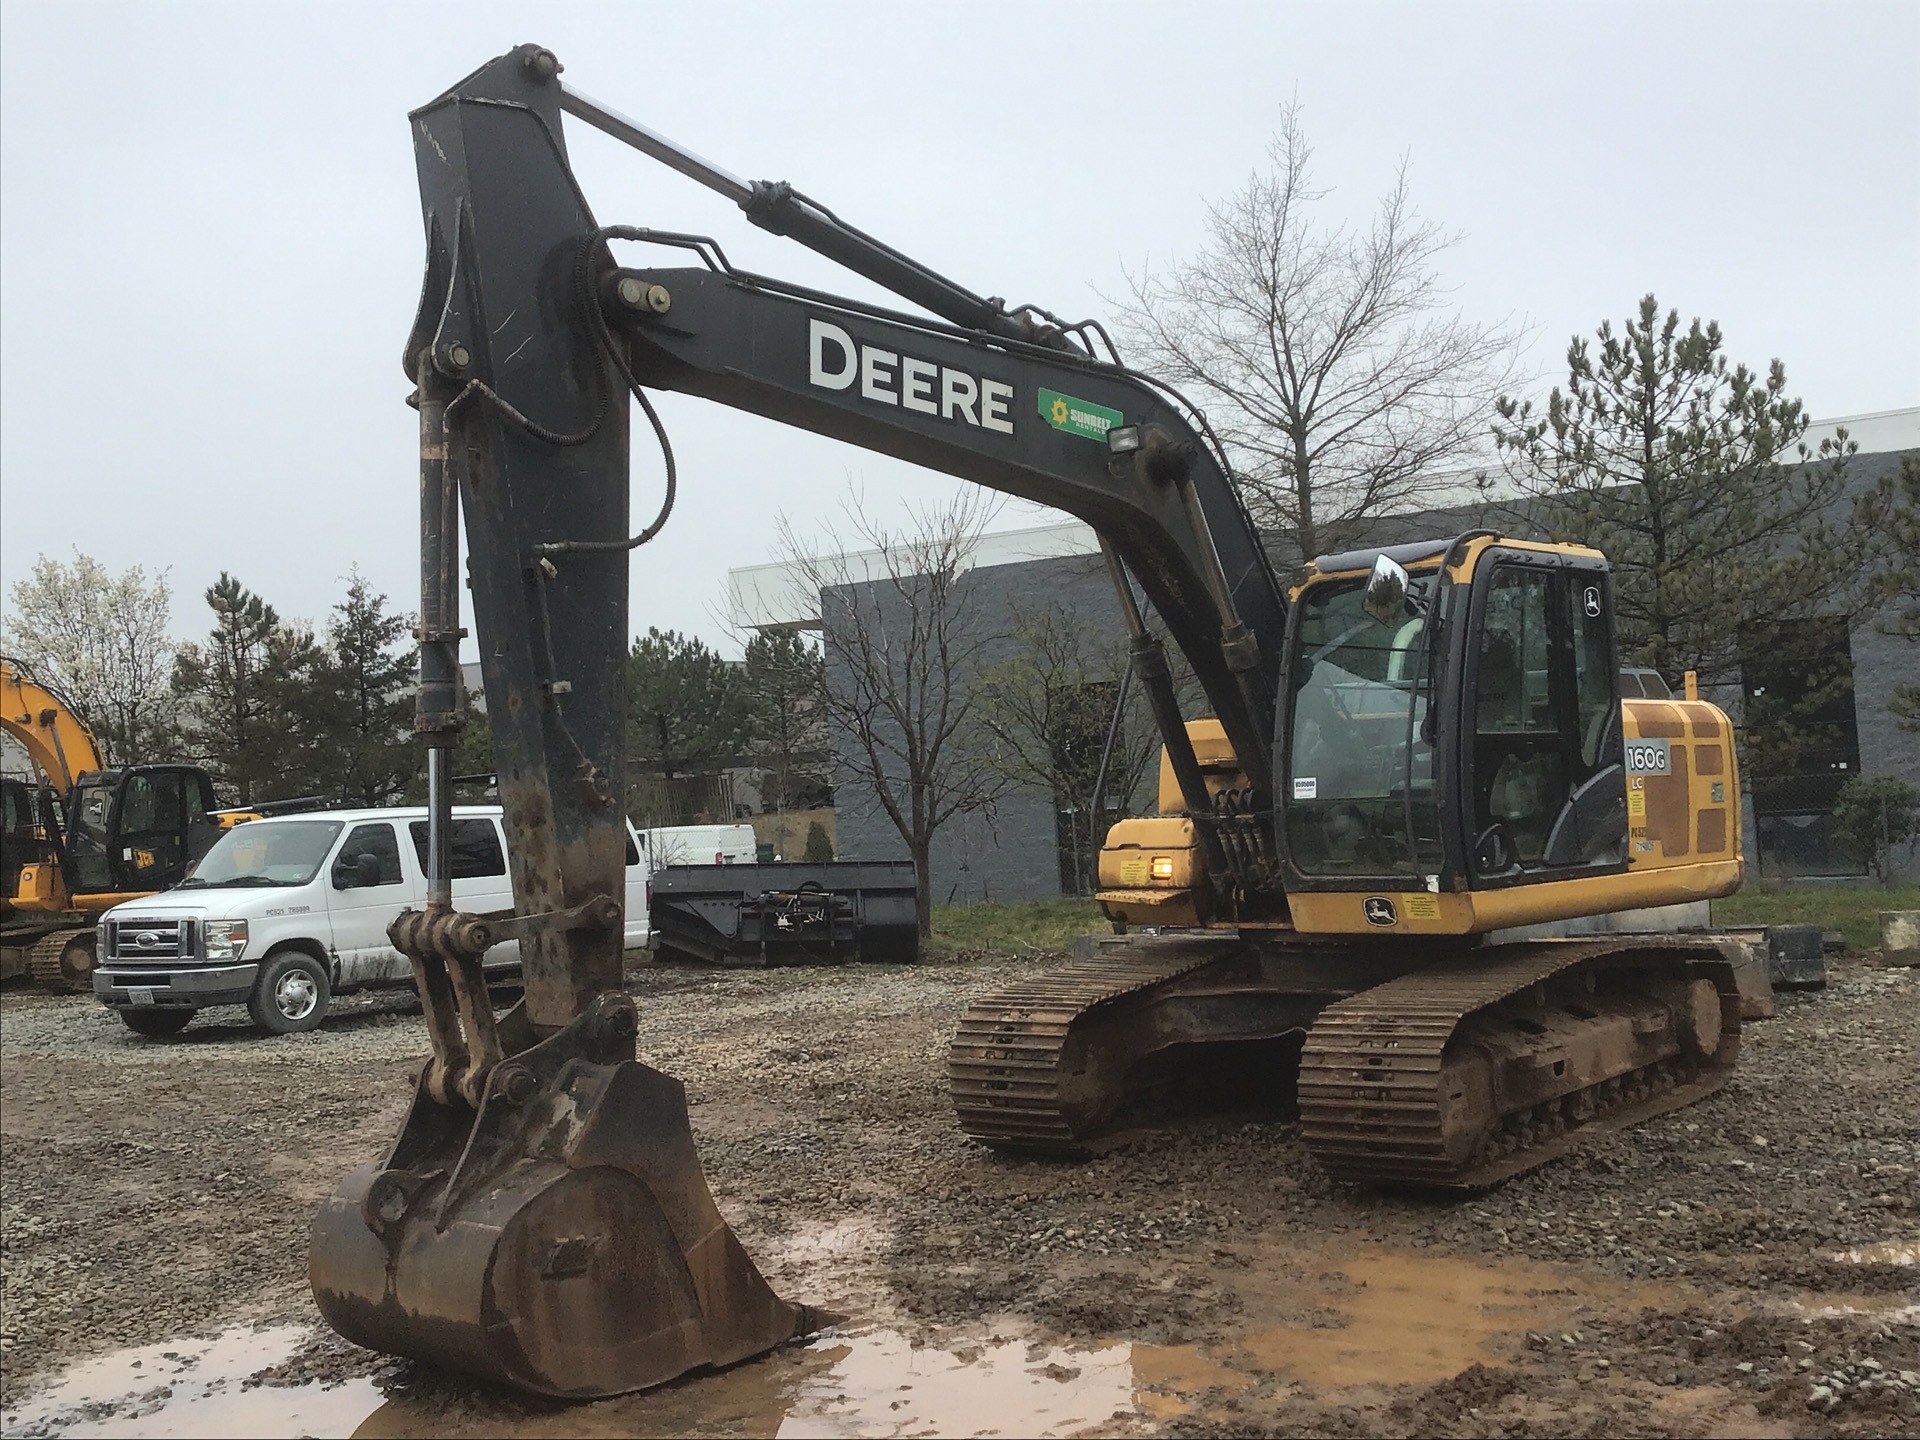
[1008,851]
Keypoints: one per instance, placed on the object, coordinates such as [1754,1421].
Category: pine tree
[359,706]
[1690,473]
[819,849]
[687,715]
[786,696]
[240,696]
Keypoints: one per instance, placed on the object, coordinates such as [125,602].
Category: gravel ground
[155,1189]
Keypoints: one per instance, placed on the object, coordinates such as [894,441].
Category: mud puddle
[855,1383]
[1322,1321]
[195,1388]
[1391,1318]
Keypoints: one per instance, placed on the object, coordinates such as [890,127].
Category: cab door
[153,820]
[1544,790]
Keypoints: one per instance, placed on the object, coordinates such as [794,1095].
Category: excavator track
[1007,1068]
[54,960]
[1382,1100]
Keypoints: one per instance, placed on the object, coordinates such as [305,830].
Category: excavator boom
[48,728]
[545,1181]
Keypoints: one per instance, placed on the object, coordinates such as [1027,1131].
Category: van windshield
[280,852]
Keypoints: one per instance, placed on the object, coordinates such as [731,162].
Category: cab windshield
[280,852]
[1360,797]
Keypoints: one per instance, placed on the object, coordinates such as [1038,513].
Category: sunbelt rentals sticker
[1078,417]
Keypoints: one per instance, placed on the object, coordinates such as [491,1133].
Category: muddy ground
[1723,1270]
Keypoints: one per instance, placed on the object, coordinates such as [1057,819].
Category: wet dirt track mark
[162,1189]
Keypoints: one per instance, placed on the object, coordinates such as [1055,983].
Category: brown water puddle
[194,1388]
[861,1383]
[1382,1318]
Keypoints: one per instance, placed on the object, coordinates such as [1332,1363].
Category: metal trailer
[786,914]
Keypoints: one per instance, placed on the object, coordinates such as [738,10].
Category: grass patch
[1015,929]
[1035,925]
[1854,910]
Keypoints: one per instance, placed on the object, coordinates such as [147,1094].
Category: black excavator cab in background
[1337,835]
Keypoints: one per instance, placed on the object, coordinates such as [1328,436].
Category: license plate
[140,995]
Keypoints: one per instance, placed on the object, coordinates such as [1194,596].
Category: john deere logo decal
[1379,911]
[1078,417]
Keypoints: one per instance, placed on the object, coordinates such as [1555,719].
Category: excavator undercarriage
[1457,1073]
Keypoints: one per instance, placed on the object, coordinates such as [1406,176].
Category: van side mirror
[362,872]
[1386,597]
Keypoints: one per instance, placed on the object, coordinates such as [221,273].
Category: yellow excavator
[1416,769]
[86,836]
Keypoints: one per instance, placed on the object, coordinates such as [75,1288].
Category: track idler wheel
[63,961]
[561,1240]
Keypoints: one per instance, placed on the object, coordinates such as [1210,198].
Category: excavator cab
[1455,755]
[126,832]
[137,829]
[1461,763]
[1524,728]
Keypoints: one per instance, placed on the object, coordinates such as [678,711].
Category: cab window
[1360,795]
[374,839]
[1548,791]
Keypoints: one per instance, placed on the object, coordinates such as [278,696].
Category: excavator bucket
[561,1240]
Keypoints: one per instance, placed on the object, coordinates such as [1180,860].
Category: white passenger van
[286,912]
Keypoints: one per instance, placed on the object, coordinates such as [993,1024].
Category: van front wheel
[291,994]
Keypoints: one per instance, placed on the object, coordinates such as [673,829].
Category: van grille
[156,938]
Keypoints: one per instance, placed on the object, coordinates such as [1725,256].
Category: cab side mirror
[361,872]
[1386,599]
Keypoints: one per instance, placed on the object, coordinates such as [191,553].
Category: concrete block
[1900,937]
[1749,961]
[1796,956]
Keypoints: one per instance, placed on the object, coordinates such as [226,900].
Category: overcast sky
[210,239]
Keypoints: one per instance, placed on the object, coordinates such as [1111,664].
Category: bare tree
[1328,359]
[903,639]
[1050,709]
[103,640]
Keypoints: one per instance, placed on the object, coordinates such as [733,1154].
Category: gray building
[1019,847]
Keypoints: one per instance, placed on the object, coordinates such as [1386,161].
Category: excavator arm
[542,1217]
[55,738]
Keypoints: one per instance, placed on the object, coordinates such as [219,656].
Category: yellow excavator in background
[1415,758]
[85,837]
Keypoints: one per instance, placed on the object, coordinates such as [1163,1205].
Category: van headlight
[226,939]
